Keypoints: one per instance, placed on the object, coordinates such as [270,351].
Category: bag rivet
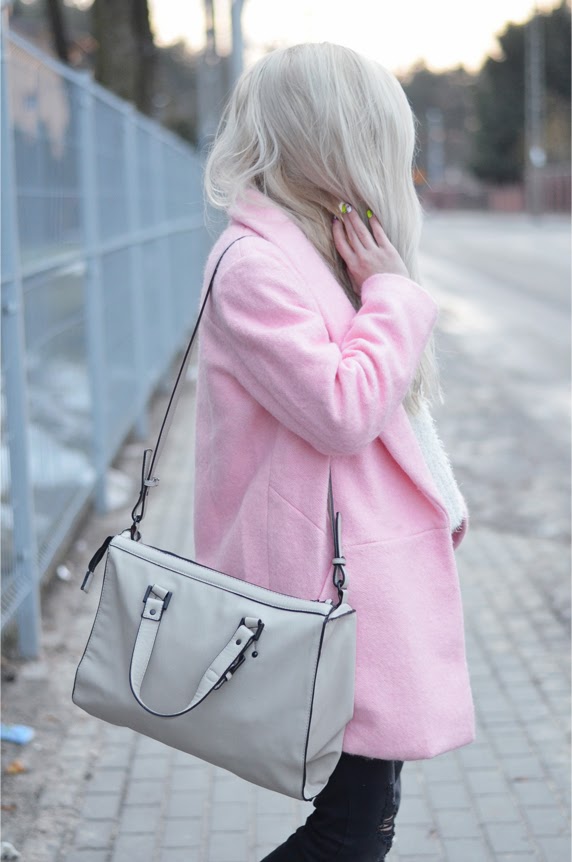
[254,654]
[152,611]
[239,641]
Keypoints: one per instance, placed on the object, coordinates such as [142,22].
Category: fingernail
[369,213]
[346,208]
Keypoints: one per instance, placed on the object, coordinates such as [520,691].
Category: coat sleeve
[337,397]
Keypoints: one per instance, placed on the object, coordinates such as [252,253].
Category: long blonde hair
[313,125]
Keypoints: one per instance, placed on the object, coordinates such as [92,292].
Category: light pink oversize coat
[292,380]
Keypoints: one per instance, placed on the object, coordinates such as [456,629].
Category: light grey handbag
[254,681]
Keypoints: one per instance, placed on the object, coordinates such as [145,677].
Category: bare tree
[58,28]
[126,54]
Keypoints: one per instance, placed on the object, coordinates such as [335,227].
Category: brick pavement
[505,797]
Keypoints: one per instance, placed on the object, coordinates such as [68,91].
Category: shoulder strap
[151,456]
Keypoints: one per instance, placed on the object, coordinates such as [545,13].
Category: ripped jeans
[354,816]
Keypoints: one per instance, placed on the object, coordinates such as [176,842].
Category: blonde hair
[313,125]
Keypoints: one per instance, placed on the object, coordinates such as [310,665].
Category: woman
[317,351]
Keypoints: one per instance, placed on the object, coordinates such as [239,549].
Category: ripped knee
[386,827]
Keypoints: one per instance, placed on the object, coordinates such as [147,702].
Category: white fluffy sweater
[439,464]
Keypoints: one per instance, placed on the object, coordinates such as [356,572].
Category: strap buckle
[157,603]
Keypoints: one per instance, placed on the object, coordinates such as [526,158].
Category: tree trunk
[58,28]
[125,61]
[145,56]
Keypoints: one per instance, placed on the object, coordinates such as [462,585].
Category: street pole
[435,146]
[209,80]
[236,59]
[535,155]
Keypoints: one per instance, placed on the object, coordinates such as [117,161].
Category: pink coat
[292,380]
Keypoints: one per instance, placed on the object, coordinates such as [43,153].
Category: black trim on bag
[90,634]
[225,589]
[198,703]
[327,620]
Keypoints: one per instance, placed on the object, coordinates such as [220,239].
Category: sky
[444,33]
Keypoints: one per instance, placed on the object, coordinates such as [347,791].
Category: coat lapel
[273,224]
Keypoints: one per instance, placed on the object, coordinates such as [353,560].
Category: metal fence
[103,247]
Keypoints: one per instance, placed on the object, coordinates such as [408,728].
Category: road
[503,283]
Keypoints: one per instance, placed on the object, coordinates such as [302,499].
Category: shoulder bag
[251,680]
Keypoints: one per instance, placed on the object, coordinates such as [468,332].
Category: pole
[236,59]
[435,146]
[24,569]
[534,113]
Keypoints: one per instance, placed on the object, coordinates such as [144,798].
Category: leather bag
[254,681]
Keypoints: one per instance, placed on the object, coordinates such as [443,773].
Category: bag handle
[148,480]
[221,669]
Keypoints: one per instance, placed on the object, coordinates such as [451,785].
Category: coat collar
[261,215]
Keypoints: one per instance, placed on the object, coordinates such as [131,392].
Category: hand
[365,254]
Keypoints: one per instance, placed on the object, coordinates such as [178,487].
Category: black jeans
[354,815]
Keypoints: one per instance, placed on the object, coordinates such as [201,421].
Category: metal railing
[103,247]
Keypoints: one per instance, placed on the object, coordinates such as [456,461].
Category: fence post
[136,275]
[160,197]
[25,558]
[94,312]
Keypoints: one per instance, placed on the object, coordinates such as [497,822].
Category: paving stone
[273,828]
[100,806]
[465,850]
[555,848]
[94,834]
[413,810]
[508,837]
[139,819]
[107,781]
[145,793]
[150,767]
[229,817]
[228,847]
[129,848]
[176,854]
[86,856]
[446,795]
[268,802]
[523,768]
[420,841]
[497,808]
[182,832]
[534,793]
[483,781]
[115,757]
[150,747]
[547,822]
[186,803]
[457,823]
[189,779]
[261,851]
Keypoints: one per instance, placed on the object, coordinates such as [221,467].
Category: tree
[126,55]
[57,24]
[499,148]
[451,92]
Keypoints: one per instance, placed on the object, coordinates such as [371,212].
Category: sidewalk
[110,795]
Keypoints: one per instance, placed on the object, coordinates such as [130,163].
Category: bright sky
[397,33]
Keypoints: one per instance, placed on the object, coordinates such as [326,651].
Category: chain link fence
[103,246]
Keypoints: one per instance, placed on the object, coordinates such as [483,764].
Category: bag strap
[149,464]
[221,669]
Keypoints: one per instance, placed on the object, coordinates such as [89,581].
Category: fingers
[341,240]
[358,234]
[378,232]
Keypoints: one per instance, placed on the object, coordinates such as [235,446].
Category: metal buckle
[165,601]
